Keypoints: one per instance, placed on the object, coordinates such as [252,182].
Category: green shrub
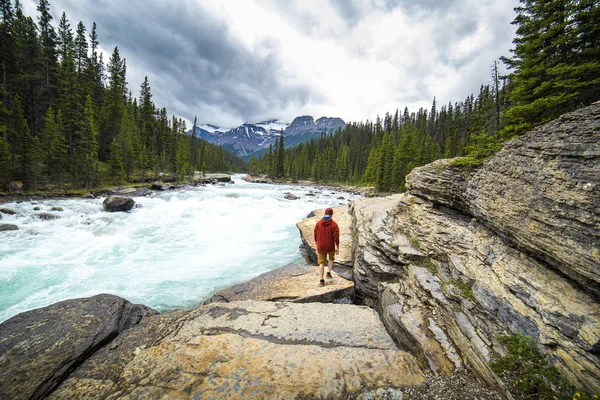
[414,242]
[465,289]
[428,264]
[528,375]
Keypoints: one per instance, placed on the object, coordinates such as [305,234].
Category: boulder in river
[290,196]
[40,348]
[7,211]
[56,208]
[218,177]
[8,227]
[47,216]
[118,203]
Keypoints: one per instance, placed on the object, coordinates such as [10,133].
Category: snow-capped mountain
[248,139]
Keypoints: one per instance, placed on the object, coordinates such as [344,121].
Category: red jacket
[327,235]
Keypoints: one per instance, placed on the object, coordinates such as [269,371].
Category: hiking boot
[328,276]
[322,282]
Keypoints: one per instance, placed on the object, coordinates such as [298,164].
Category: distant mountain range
[249,140]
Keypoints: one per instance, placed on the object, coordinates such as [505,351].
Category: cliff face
[511,247]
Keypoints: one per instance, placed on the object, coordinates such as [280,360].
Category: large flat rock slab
[294,283]
[342,216]
[248,349]
[40,348]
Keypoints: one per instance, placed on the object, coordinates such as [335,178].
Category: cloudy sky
[234,61]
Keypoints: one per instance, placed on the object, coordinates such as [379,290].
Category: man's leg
[321,260]
[330,266]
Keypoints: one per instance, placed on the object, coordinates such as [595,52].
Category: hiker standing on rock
[327,238]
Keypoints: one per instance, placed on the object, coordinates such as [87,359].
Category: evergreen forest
[554,68]
[68,120]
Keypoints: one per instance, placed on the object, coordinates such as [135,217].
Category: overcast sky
[234,61]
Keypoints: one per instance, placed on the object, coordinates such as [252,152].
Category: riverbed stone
[118,203]
[218,177]
[248,349]
[8,227]
[57,208]
[7,211]
[293,283]
[47,216]
[343,218]
[40,348]
[290,196]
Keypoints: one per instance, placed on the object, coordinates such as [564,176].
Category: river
[173,252]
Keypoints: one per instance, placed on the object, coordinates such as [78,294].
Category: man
[327,238]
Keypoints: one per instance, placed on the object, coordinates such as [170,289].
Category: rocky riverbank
[14,190]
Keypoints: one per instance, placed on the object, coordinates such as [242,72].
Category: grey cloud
[193,56]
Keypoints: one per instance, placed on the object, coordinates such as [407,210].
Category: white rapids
[173,252]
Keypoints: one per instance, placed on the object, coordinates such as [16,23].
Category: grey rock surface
[40,348]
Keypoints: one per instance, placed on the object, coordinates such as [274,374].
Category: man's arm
[336,238]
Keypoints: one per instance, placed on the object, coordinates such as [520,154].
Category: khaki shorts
[322,257]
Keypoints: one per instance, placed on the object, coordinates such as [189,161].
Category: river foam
[173,252]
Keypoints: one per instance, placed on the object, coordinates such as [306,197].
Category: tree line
[67,119]
[383,152]
[554,68]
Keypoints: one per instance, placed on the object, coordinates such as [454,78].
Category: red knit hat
[329,211]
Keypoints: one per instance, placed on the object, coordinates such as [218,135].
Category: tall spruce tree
[555,61]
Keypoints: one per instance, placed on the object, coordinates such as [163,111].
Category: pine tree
[279,171]
[87,151]
[81,49]
[53,145]
[556,61]
[48,40]
[117,170]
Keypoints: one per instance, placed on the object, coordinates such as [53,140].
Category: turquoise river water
[173,252]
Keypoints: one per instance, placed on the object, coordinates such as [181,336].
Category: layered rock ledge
[512,247]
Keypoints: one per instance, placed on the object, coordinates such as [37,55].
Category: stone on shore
[248,349]
[293,283]
[157,185]
[118,203]
[343,218]
[40,348]
[15,186]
